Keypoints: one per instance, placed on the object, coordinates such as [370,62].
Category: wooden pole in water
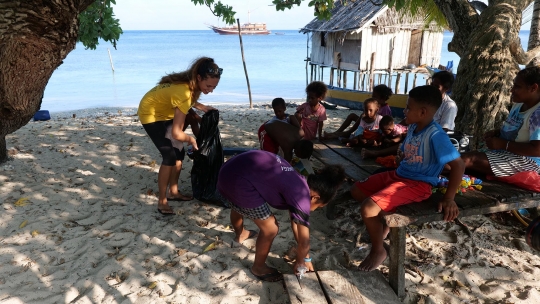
[110,59]
[244,62]
[371,70]
[307,60]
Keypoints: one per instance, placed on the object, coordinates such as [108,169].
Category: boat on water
[354,99]
[245,29]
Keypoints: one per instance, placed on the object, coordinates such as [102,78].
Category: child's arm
[294,121]
[320,125]
[447,204]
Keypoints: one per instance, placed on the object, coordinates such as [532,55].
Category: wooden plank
[504,192]
[304,291]
[338,288]
[396,274]
[329,157]
[374,287]
[353,156]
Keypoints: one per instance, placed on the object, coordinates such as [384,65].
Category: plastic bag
[207,161]
[529,180]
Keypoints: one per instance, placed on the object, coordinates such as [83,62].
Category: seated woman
[516,146]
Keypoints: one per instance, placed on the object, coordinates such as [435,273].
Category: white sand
[90,233]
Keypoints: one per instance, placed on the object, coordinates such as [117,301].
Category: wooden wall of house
[431,48]
[380,43]
[322,55]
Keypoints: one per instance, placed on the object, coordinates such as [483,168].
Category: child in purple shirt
[253,181]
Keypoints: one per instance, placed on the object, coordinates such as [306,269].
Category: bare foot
[373,260]
[365,153]
[164,208]
[246,234]
[179,197]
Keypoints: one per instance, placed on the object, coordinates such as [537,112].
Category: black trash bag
[207,160]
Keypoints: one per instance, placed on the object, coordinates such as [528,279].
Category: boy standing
[426,150]
[312,114]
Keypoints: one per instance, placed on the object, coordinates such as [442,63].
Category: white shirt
[446,114]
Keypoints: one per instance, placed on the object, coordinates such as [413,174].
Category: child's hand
[364,141]
[450,209]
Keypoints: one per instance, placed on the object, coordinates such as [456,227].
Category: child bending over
[426,151]
[367,133]
[312,114]
[381,93]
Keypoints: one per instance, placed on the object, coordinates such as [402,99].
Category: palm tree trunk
[534,35]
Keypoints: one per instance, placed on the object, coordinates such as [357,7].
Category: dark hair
[317,87]
[427,95]
[370,100]
[386,120]
[383,91]
[530,75]
[277,102]
[445,78]
[303,148]
[203,66]
[327,181]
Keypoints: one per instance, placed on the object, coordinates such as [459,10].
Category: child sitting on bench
[367,133]
[426,151]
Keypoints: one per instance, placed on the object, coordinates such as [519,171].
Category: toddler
[312,113]
[382,93]
[367,133]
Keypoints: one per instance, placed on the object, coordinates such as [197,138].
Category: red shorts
[390,191]
[267,143]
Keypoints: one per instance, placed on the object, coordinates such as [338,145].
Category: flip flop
[164,212]
[252,234]
[179,199]
[274,276]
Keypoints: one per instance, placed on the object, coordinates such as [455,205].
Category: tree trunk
[35,36]
[534,34]
[490,51]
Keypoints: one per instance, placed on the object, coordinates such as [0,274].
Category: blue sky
[184,15]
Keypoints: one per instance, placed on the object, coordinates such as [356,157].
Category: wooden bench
[494,197]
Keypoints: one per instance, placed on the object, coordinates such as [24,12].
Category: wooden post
[331,81]
[110,59]
[339,77]
[363,81]
[391,68]
[398,83]
[244,62]
[322,73]
[380,79]
[396,276]
[307,61]
[414,80]
[371,70]
[355,79]
[311,75]
[406,82]
[344,78]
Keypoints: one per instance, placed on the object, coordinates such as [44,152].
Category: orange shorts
[390,191]
[267,143]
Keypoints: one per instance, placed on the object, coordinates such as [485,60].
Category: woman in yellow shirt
[167,104]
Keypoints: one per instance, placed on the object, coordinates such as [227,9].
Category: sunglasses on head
[213,71]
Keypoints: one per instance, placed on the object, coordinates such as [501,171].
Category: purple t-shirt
[252,178]
[385,110]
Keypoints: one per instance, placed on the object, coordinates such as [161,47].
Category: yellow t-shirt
[159,103]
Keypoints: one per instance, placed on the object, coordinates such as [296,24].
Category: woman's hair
[203,66]
[530,75]
[327,181]
[383,91]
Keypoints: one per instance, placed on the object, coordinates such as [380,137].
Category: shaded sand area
[79,225]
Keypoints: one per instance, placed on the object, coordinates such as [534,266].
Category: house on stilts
[375,45]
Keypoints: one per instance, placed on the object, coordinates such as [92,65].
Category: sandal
[273,276]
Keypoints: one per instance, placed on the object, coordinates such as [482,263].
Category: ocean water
[275,65]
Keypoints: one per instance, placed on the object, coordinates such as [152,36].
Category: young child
[391,135]
[382,93]
[426,150]
[367,133]
[265,140]
[446,114]
[312,114]
[279,106]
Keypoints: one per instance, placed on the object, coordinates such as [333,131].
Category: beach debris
[210,247]
[181,252]
[23,224]
[152,285]
[34,233]
[120,258]
[152,164]
[23,201]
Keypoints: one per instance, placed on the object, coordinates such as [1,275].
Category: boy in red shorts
[426,150]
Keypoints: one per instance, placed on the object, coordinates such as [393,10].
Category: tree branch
[462,19]
[521,56]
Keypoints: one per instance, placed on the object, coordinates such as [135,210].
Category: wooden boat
[245,29]
[354,100]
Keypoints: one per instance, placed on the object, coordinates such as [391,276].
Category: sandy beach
[80,225]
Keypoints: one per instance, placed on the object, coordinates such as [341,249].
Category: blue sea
[275,65]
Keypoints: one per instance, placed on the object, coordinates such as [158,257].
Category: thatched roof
[357,14]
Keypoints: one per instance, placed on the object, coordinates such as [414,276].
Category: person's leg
[376,230]
[392,150]
[477,162]
[163,181]
[174,193]
[237,222]
[350,118]
[268,230]
[341,131]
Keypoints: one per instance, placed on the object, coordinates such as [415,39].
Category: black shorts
[156,131]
